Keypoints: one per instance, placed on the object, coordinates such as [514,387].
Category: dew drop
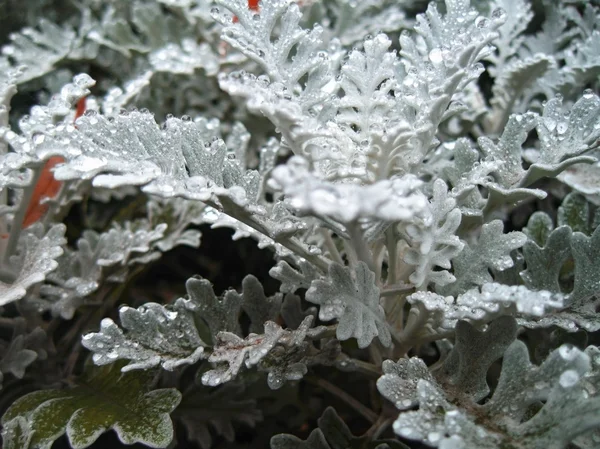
[499,14]
[482,22]
[435,56]
[568,378]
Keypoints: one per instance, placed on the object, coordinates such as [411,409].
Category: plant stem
[366,412]
[15,228]
[378,427]
[330,245]
[393,290]
[360,245]
[392,248]
[367,368]
[239,213]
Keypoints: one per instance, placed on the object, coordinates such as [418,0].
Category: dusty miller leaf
[586,253]
[465,368]
[154,334]
[391,200]
[259,308]
[232,352]
[538,228]
[292,279]
[449,415]
[332,433]
[97,257]
[544,263]
[574,211]
[399,381]
[565,136]
[515,78]
[353,299]
[492,250]
[103,399]
[23,348]
[220,314]
[204,408]
[36,259]
[433,241]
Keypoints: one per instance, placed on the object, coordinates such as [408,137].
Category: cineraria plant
[420,184]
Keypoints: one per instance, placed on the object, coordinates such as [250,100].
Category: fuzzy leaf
[332,433]
[366,80]
[204,408]
[574,211]
[392,200]
[518,15]
[103,399]
[474,352]
[538,228]
[154,334]
[288,361]
[544,263]
[219,314]
[259,308]
[316,440]
[580,305]
[352,298]
[36,259]
[80,272]
[586,253]
[515,78]
[433,241]
[507,151]
[399,381]
[292,279]
[449,414]
[292,312]
[22,350]
[108,255]
[521,384]
[492,250]
[235,352]
[39,49]
[565,137]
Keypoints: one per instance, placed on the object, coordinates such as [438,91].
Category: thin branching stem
[362,409]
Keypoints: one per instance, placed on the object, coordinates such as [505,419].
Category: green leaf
[219,314]
[316,440]
[466,366]
[353,298]
[333,433]
[586,252]
[544,263]
[258,307]
[539,228]
[574,212]
[204,408]
[103,399]
[16,434]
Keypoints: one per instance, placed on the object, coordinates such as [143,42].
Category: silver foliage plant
[426,178]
